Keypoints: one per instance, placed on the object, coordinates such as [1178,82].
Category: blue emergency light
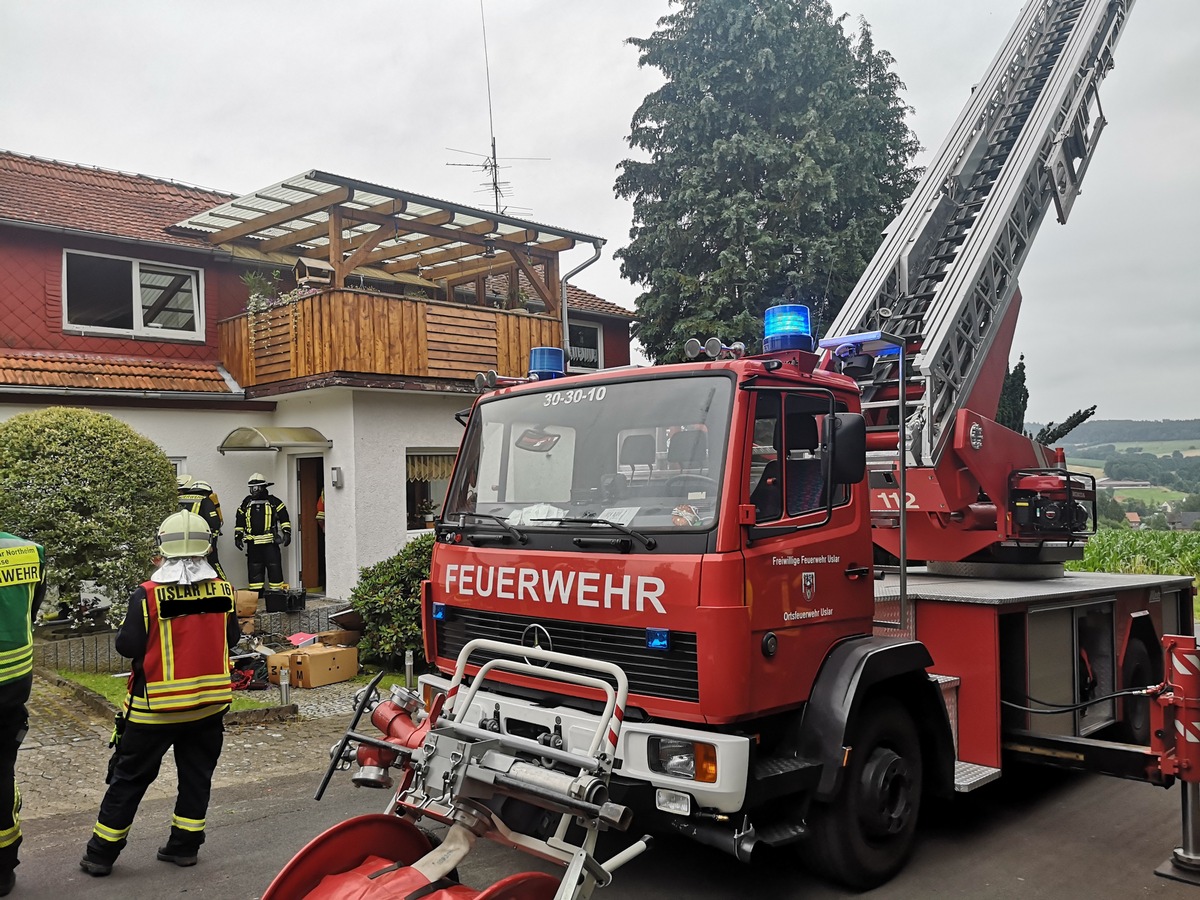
[787,327]
[439,612]
[658,639]
[547,363]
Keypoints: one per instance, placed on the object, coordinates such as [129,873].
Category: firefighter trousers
[134,767]
[264,559]
[14,719]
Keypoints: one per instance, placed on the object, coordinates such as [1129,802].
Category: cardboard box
[276,661]
[246,603]
[314,665]
[317,665]
[246,624]
[343,637]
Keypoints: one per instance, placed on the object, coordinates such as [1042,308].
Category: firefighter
[205,487]
[321,510]
[177,630]
[22,586]
[262,525]
[196,497]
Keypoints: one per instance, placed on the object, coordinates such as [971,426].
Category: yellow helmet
[184,534]
[184,481]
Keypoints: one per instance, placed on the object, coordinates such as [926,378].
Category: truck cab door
[808,555]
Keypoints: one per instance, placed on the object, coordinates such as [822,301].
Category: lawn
[112,689]
[1151,496]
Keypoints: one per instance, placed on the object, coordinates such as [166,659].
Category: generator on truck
[713,531]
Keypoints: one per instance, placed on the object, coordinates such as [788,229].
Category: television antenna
[490,165]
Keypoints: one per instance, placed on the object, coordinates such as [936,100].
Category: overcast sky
[239,95]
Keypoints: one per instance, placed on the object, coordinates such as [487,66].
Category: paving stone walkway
[62,764]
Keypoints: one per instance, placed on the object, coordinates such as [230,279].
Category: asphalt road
[1036,835]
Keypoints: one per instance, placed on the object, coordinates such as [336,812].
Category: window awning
[430,466]
[274,438]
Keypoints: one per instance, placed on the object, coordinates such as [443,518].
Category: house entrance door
[310,481]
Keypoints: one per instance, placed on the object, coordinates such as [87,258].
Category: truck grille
[652,673]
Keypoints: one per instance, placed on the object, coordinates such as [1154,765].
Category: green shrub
[388,597]
[91,490]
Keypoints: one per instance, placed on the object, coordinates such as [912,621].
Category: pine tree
[1014,398]
[775,155]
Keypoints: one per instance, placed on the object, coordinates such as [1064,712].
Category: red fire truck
[708,528]
[832,585]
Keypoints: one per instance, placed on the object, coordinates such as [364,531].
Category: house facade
[321,331]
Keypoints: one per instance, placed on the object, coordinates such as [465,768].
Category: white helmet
[184,534]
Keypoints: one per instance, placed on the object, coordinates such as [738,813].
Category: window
[109,293]
[427,475]
[586,347]
[179,463]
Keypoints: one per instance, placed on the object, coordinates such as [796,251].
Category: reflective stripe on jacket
[186,665]
[258,521]
[22,571]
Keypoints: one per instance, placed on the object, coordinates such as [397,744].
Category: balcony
[371,334]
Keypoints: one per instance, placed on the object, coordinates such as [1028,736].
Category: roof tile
[38,369]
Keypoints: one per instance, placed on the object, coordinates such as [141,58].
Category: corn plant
[1142,553]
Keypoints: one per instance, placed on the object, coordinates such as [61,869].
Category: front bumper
[726,795]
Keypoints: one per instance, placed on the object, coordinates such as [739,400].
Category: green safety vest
[22,568]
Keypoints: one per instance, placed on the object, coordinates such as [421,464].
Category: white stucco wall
[386,427]
[371,432]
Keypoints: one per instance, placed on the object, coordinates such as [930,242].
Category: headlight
[683,759]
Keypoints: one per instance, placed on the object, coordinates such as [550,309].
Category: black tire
[866,835]
[1137,671]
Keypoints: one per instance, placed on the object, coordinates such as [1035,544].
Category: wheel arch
[857,669]
[1141,628]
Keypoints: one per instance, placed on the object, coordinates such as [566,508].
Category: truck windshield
[643,453]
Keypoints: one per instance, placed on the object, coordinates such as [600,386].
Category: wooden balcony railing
[373,334]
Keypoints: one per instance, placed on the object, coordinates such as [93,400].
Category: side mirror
[848,437]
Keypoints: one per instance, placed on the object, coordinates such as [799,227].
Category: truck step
[781,776]
[968,776]
[776,766]
[780,834]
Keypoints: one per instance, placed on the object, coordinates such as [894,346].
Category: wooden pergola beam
[292,211]
[433,259]
[549,297]
[421,245]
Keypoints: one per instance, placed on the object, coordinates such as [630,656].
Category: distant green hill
[1128,431]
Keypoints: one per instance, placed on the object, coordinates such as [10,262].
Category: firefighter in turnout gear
[196,497]
[22,586]
[262,525]
[178,631]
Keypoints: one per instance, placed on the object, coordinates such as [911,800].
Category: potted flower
[425,509]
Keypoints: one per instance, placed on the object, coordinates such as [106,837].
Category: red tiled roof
[120,204]
[577,297]
[99,201]
[40,369]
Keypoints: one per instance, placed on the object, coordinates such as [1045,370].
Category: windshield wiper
[516,533]
[648,542]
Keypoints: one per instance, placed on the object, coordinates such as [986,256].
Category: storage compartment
[1070,661]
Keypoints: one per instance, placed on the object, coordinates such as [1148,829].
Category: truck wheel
[1138,672]
[866,834]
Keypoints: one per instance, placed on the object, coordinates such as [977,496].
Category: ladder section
[947,269]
